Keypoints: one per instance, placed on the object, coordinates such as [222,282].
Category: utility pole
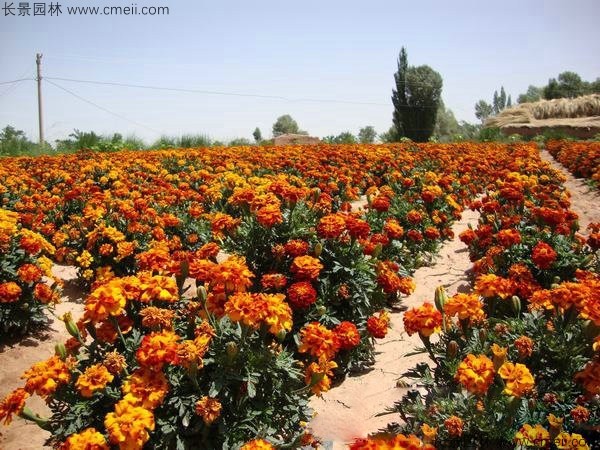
[38,61]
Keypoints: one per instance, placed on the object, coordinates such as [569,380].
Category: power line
[100,107]
[16,81]
[202,91]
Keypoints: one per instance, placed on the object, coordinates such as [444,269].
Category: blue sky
[325,50]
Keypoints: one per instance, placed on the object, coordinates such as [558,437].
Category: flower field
[581,158]
[226,286]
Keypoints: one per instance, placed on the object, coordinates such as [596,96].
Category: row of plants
[516,362]
[223,295]
[582,159]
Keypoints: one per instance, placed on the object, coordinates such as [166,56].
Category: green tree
[286,125]
[239,142]
[390,135]
[483,109]
[257,135]
[343,138]
[416,99]
[533,94]
[569,85]
[367,135]
[446,126]
[14,142]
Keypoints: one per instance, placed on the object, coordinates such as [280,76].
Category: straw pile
[578,116]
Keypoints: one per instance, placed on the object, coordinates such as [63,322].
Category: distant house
[291,139]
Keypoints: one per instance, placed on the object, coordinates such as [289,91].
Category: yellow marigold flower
[476,373]
[518,379]
[45,377]
[209,409]
[85,259]
[128,426]
[566,441]
[159,288]
[429,433]
[88,439]
[536,436]
[555,422]
[13,404]
[124,249]
[95,378]
[146,388]
[45,264]
[257,444]
[317,376]
[107,300]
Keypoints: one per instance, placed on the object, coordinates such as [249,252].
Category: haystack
[579,117]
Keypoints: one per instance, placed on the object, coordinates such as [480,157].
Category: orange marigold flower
[88,439]
[476,373]
[536,436]
[393,228]
[45,377]
[318,341]
[146,388]
[114,362]
[454,425]
[424,320]
[378,325]
[398,442]
[508,237]
[201,269]
[233,274]
[317,375]
[158,349]
[347,335]
[543,255]
[29,273]
[157,318]
[467,236]
[524,345]
[391,282]
[296,247]
[580,414]
[209,409]
[104,301]
[128,426]
[95,378]
[490,285]
[257,444]
[273,281]
[357,228]
[302,294]
[269,215]
[9,292]
[306,267]
[381,203]
[256,309]
[12,404]
[466,307]
[518,379]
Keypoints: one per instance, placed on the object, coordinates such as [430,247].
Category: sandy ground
[18,357]
[584,200]
[348,410]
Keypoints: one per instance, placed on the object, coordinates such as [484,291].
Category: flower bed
[582,159]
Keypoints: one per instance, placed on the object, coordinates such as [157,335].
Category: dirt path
[348,410]
[584,201]
[18,357]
